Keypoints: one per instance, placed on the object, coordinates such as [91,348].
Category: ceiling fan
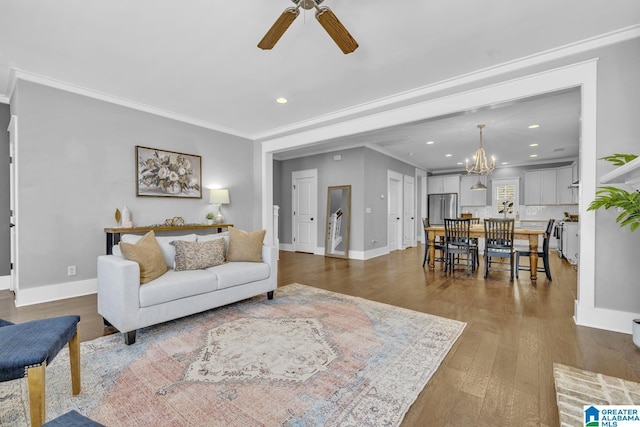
[324,15]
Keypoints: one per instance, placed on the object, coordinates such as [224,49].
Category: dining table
[477,231]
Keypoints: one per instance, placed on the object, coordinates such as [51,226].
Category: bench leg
[270,295]
[36,381]
[74,359]
[130,337]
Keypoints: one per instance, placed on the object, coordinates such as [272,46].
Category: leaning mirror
[336,242]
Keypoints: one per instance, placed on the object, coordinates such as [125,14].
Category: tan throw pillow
[245,246]
[147,253]
[198,255]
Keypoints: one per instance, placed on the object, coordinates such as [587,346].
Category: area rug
[576,388]
[308,357]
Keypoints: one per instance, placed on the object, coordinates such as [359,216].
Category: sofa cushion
[210,237]
[168,251]
[238,273]
[245,246]
[147,253]
[174,285]
[196,255]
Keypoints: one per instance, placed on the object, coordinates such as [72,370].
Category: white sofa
[128,306]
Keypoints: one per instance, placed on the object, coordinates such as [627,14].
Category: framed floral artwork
[162,173]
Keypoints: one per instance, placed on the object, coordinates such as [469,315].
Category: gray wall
[76,165]
[362,168]
[617,272]
[5,238]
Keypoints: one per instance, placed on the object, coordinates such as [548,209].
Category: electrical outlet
[71,270]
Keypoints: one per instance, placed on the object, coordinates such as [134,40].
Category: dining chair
[27,348]
[457,242]
[544,254]
[439,246]
[498,243]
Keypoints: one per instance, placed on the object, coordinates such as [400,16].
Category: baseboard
[56,292]
[5,282]
[604,318]
[359,255]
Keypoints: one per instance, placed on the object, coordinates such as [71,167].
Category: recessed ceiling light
[459,163]
[410,154]
[448,155]
[430,142]
[504,163]
[533,155]
[534,126]
[533,145]
[282,100]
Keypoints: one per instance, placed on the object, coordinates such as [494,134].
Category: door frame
[409,236]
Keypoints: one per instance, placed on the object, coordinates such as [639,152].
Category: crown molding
[602,40]
[16,75]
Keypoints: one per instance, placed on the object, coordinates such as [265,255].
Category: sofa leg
[270,295]
[106,322]
[130,337]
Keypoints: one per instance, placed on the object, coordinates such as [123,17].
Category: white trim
[5,282]
[606,39]
[47,293]
[17,74]
[287,247]
[4,99]
[604,318]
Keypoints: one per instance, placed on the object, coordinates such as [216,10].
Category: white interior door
[394,208]
[305,201]
[409,212]
[13,138]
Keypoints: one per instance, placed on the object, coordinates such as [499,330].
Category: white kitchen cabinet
[443,184]
[540,187]
[469,197]
[564,190]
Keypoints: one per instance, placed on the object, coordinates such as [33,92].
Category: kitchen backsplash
[526,212]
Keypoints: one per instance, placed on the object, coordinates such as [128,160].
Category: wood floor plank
[499,372]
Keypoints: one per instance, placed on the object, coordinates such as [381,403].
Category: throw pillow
[195,255]
[147,253]
[245,246]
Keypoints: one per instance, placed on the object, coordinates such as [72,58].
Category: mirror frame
[346,224]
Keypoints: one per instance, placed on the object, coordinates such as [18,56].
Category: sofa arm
[118,291]
[270,256]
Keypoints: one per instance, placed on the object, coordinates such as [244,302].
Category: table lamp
[219,197]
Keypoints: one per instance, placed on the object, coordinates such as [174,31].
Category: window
[506,196]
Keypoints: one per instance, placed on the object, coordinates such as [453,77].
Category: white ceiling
[198,60]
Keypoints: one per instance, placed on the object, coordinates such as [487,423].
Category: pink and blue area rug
[308,357]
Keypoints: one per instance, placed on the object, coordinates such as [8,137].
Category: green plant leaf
[619,159]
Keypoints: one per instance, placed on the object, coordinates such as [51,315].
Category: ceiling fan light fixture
[336,30]
[278,28]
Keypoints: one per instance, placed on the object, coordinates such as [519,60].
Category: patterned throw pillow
[147,253]
[245,246]
[198,255]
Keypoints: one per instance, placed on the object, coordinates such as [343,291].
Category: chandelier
[480,165]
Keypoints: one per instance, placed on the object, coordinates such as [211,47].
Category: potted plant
[628,205]
[210,217]
[628,202]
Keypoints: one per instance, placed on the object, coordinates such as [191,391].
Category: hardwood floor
[498,373]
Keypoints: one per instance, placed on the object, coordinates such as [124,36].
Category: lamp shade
[219,196]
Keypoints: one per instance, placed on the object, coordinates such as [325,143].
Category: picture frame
[164,173]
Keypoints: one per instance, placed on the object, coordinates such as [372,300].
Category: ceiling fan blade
[278,28]
[336,30]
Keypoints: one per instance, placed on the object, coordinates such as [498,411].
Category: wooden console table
[114,233]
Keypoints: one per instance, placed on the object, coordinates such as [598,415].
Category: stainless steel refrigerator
[442,206]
